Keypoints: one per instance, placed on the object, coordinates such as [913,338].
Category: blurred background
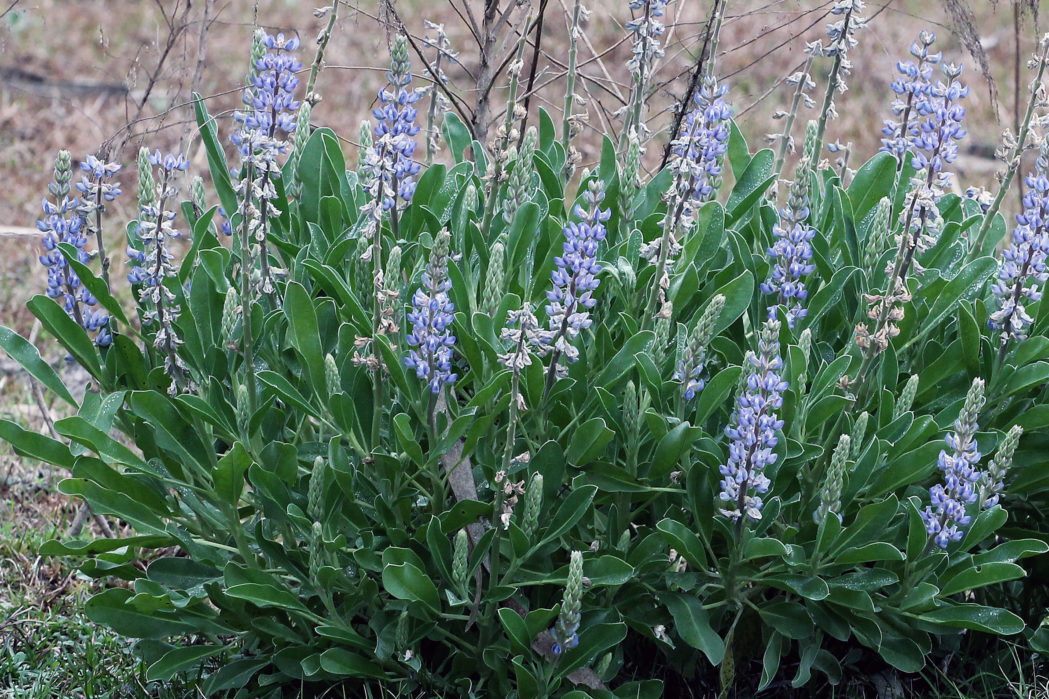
[80,74]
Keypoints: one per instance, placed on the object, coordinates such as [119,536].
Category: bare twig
[535,64]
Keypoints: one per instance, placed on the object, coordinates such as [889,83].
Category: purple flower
[63,223]
[934,142]
[431,318]
[753,429]
[947,516]
[395,129]
[575,274]
[912,86]
[701,151]
[791,254]
[270,100]
[1023,266]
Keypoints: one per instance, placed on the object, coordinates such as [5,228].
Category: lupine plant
[382,437]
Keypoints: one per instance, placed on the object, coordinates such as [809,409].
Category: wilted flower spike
[153,265]
[1023,268]
[753,428]
[690,365]
[431,318]
[946,517]
[525,338]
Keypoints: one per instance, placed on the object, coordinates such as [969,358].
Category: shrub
[625,436]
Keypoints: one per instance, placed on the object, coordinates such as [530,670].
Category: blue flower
[395,129]
[791,254]
[270,99]
[431,318]
[947,516]
[700,152]
[1023,266]
[934,142]
[753,429]
[575,275]
[63,223]
[910,88]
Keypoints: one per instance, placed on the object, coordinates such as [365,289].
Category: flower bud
[460,561]
[906,397]
[830,496]
[331,375]
[494,280]
[533,504]
[315,495]
[859,433]
[566,630]
[230,317]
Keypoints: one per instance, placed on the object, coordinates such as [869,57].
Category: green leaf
[876,551]
[683,540]
[179,660]
[675,444]
[607,571]
[36,445]
[407,582]
[751,185]
[874,180]
[68,333]
[716,392]
[110,608]
[789,618]
[93,284]
[588,441]
[571,511]
[229,474]
[965,285]
[29,358]
[975,617]
[105,501]
[986,574]
[341,662]
[456,135]
[264,595]
[515,630]
[305,334]
[216,156]
[693,625]
[406,438]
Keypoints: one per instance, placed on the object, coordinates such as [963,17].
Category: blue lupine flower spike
[753,429]
[566,630]
[395,130]
[63,223]
[791,254]
[1023,269]
[96,189]
[270,116]
[947,516]
[575,278]
[911,88]
[431,317]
